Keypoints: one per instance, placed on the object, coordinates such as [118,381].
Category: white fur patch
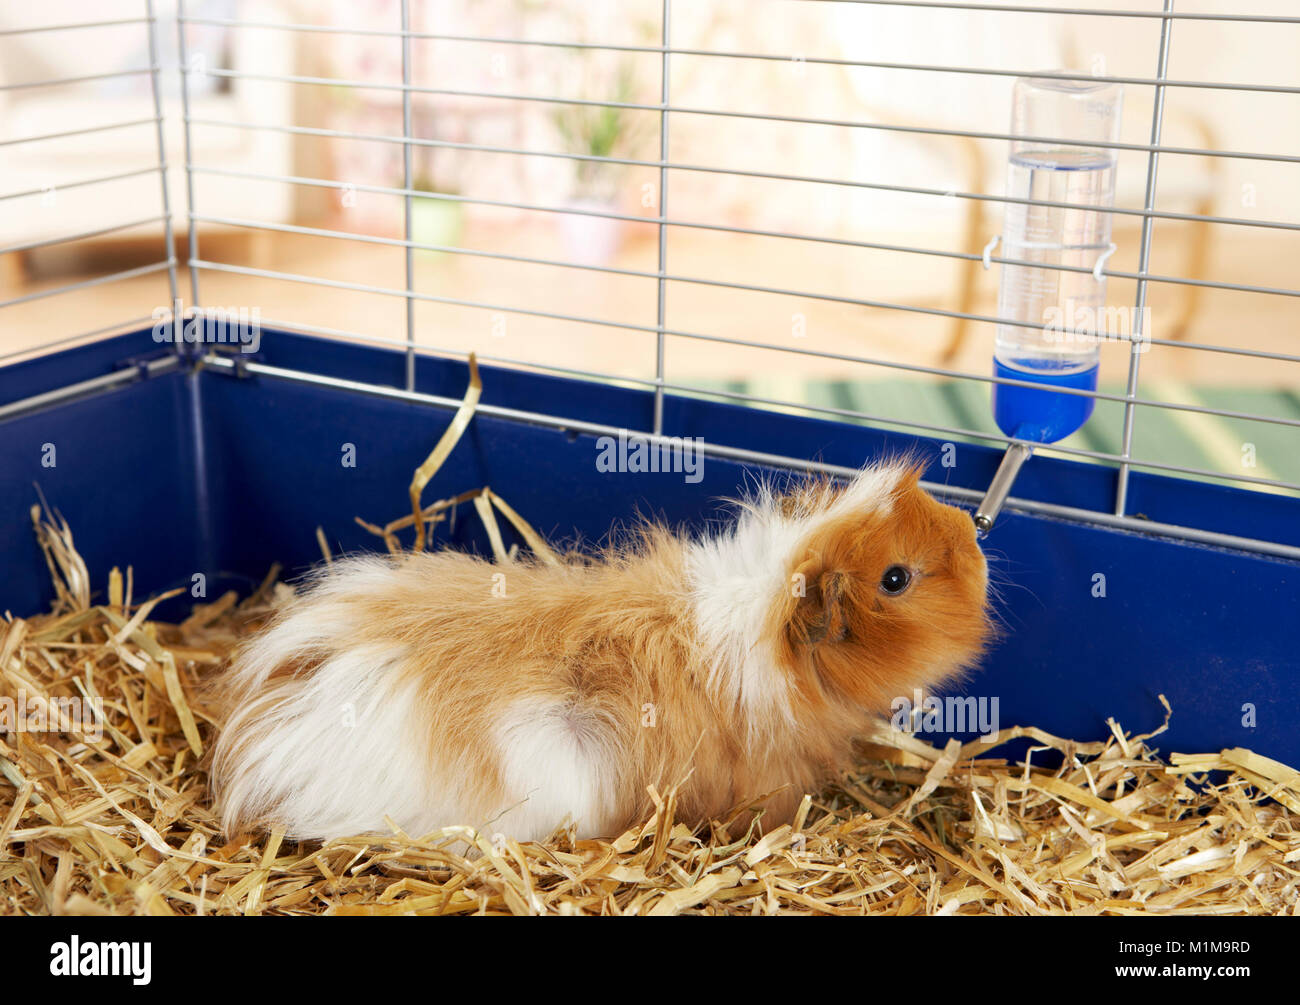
[737,574]
[335,751]
[334,757]
[872,491]
[556,763]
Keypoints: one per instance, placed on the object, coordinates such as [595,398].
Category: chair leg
[1198,257]
[261,249]
[13,271]
[1198,254]
[969,282]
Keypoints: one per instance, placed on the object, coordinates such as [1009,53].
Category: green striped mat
[1166,436]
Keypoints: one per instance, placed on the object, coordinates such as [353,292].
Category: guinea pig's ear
[820,614]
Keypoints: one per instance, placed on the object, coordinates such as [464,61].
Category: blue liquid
[1042,416]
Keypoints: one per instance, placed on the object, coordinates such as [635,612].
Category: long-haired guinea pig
[434,689]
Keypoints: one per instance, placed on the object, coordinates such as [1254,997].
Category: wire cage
[1129,569]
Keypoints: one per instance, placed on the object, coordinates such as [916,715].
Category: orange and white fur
[410,688]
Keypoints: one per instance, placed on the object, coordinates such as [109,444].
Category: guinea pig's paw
[327,747]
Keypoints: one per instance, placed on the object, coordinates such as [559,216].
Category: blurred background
[257,188]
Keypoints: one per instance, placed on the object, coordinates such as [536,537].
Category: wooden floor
[807,325]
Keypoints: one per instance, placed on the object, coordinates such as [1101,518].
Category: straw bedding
[123,824]
[113,816]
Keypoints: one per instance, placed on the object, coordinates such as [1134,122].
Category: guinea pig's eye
[896,579]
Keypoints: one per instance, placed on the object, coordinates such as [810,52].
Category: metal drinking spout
[1000,488]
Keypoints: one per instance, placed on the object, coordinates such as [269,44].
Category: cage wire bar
[1124,461]
[406,199]
[1144,261]
[661,318]
[165,217]
[183,67]
[155,92]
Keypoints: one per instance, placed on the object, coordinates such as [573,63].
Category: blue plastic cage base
[207,471]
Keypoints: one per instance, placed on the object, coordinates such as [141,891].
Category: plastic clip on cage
[184,458]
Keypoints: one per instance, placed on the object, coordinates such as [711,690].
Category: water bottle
[1047,115]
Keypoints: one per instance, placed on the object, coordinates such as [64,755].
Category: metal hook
[1096,269]
[988,249]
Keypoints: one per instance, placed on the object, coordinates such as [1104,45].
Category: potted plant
[596,131]
[435,221]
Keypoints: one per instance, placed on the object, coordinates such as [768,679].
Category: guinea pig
[433,689]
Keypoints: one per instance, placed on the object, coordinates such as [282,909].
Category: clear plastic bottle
[1060,172]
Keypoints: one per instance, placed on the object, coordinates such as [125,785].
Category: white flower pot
[591,240]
